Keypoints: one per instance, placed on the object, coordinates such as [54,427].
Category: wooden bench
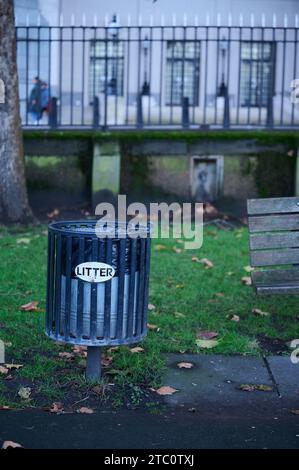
[274,244]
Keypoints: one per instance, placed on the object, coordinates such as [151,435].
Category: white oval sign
[93,271]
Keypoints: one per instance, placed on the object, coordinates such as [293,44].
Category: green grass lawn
[187,297]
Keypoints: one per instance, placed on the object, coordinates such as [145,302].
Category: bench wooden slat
[275,205]
[270,223]
[271,258]
[275,276]
[274,240]
[281,289]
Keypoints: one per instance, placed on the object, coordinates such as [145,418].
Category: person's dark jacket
[34,105]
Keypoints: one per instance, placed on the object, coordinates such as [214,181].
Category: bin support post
[93,367]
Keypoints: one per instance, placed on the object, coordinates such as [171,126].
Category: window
[182,72]
[257,73]
[106,58]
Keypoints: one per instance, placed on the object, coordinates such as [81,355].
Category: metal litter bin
[97,292]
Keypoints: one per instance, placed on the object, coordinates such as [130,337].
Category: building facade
[162,63]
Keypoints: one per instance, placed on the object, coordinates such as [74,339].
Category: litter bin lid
[95,228]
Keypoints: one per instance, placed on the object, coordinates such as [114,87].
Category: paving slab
[129,429]
[208,411]
[286,375]
[215,380]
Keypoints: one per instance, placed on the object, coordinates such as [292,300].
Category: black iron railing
[158,76]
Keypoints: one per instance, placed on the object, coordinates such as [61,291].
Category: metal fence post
[139,117]
[226,118]
[269,122]
[185,112]
[53,112]
[96,112]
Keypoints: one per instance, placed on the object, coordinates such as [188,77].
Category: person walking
[34,105]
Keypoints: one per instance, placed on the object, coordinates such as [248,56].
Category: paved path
[208,411]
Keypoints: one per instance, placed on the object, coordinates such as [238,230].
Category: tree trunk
[14,206]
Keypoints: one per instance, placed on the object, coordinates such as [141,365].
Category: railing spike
[285,20]
[263,20]
[274,20]
[241,20]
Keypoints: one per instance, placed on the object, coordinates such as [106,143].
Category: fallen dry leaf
[220,294]
[85,410]
[206,343]
[5,407]
[160,247]
[80,350]
[113,348]
[137,349]
[24,393]
[295,412]
[177,250]
[184,365]
[3,370]
[248,269]
[30,307]
[106,361]
[206,334]
[56,407]
[166,390]
[152,327]
[254,387]
[179,315]
[11,444]
[246,280]
[260,313]
[13,366]
[66,355]
[179,241]
[180,286]
[207,263]
[54,213]
[23,241]
[97,389]
[233,317]
[151,307]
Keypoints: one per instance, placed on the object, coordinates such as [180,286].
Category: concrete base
[105,172]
